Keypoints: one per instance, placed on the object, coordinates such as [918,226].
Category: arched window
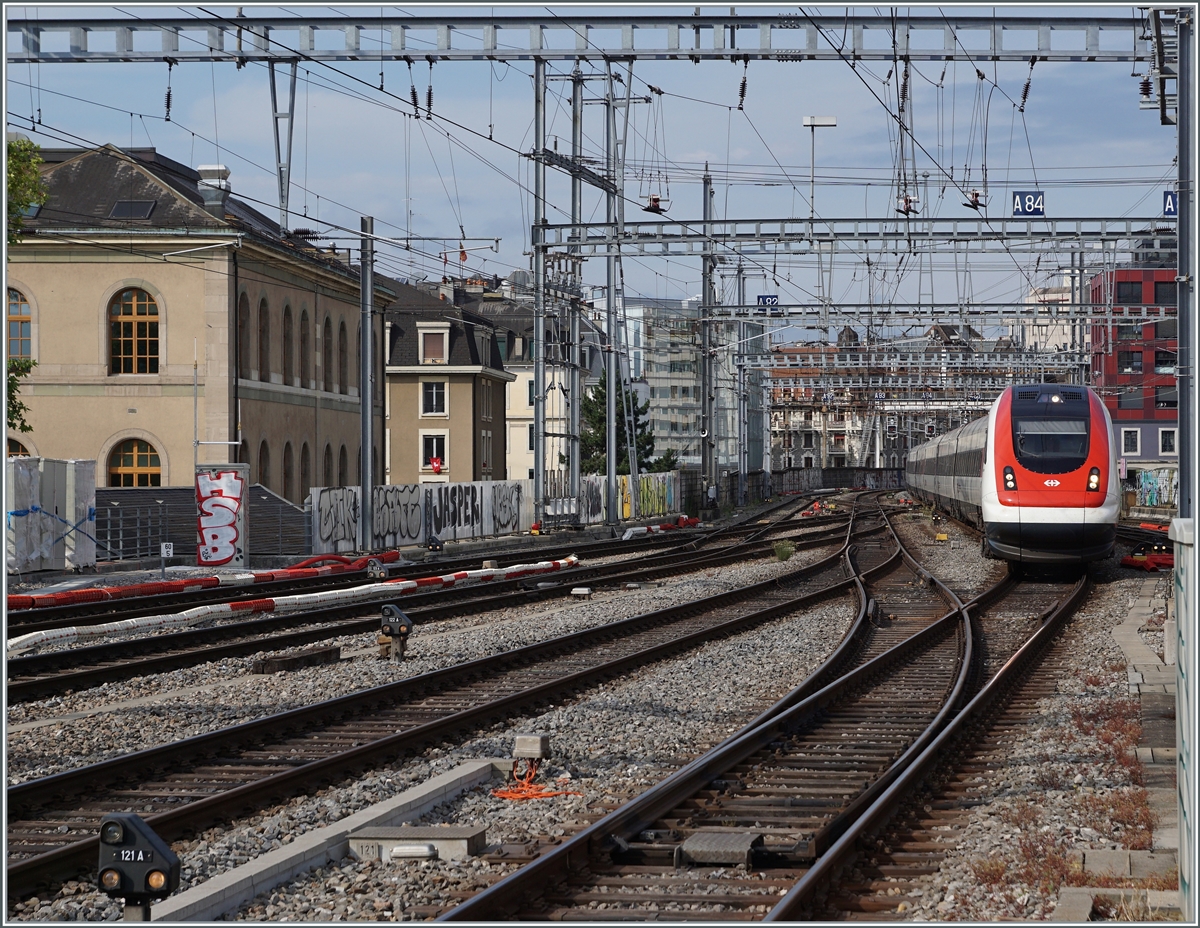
[133,333]
[16,449]
[305,472]
[343,361]
[20,325]
[305,344]
[342,467]
[375,475]
[327,355]
[288,476]
[134,463]
[264,465]
[289,369]
[243,332]
[264,342]
[328,466]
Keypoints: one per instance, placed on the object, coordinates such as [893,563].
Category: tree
[25,187]
[593,441]
[18,368]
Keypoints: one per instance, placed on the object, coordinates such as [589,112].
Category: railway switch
[135,863]
[393,632]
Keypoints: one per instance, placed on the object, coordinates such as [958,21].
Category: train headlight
[1010,479]
[1094,479]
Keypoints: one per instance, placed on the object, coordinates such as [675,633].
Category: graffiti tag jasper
[219,496]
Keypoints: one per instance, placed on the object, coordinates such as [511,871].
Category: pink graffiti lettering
[220,497]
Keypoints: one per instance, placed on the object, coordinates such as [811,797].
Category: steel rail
[504,898]
[885,806]
[35,677]
[24,875]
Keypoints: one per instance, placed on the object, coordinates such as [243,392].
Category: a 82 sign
[1029,203]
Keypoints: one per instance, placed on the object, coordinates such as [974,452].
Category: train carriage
[1037,475]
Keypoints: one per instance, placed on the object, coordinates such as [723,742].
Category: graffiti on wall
[455,510]
[656,494]
[1158,486]
[398,515]
[506,508]
[221,515]
[335,519]
[591,503]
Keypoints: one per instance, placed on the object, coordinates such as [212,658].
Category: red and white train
[1037,475]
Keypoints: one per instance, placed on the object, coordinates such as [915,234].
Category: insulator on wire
[742,89]
[415,102]
[1144,87]
[168,103]
[429,102]
[1024,95]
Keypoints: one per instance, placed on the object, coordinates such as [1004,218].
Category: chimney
[214,188]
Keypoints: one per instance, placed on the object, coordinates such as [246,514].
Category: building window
[305,361]
[328,466]
[343,362]
[433,347]
[289,367]
[485,447]
[808,439]
[288,475]
[433,446]
[133,334]
[305,472]
[243,334]
[531,393]
[486,399]
[264,465]
[1129,362]
[16,449]
[532,437]
[264,342]
[343,467]
[1166,397]
[433,398]
[1167,328]
[1130,398]
[1164,362]
[1166,441]
[1129,331]
[531,473]
[1128,293]
[20,325]
[1131,441]
[327,355]
[1165,293]
[134,463]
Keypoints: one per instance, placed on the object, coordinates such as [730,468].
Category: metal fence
[127,532]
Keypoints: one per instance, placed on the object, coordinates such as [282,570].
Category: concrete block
[1074,905]
[1162,900]
[491,565]
[451,842]
[535,745]
[1144,864]
[213,898]
[1165,755]
[1170,644]
[1113,863]
[582,592]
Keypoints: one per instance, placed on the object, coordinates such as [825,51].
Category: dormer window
[132,209]
[434,341]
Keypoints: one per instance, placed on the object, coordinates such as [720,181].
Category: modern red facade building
[1133,370]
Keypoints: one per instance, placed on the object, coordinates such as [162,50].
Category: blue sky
[1082,138]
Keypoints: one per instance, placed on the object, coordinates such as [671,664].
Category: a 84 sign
[1029,203]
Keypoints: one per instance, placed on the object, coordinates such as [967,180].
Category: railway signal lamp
[930,430]
[135,863]
[393,632]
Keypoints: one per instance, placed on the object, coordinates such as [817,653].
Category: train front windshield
[1050,446]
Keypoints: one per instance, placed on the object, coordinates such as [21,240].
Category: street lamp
[813,122]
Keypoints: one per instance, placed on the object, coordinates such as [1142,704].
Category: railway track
[56,671]
[771,811]
[186,786]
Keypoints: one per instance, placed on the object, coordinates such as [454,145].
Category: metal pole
[195,406]
[365,399]
[812,173]
[743,412]
[611,374]
[1185,286]
[539,290]
[707,423]
[576,360]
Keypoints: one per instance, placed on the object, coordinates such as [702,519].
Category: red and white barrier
[366,592]
[684,522]
[300,571]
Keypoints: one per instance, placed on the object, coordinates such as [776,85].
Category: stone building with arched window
[139,276]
